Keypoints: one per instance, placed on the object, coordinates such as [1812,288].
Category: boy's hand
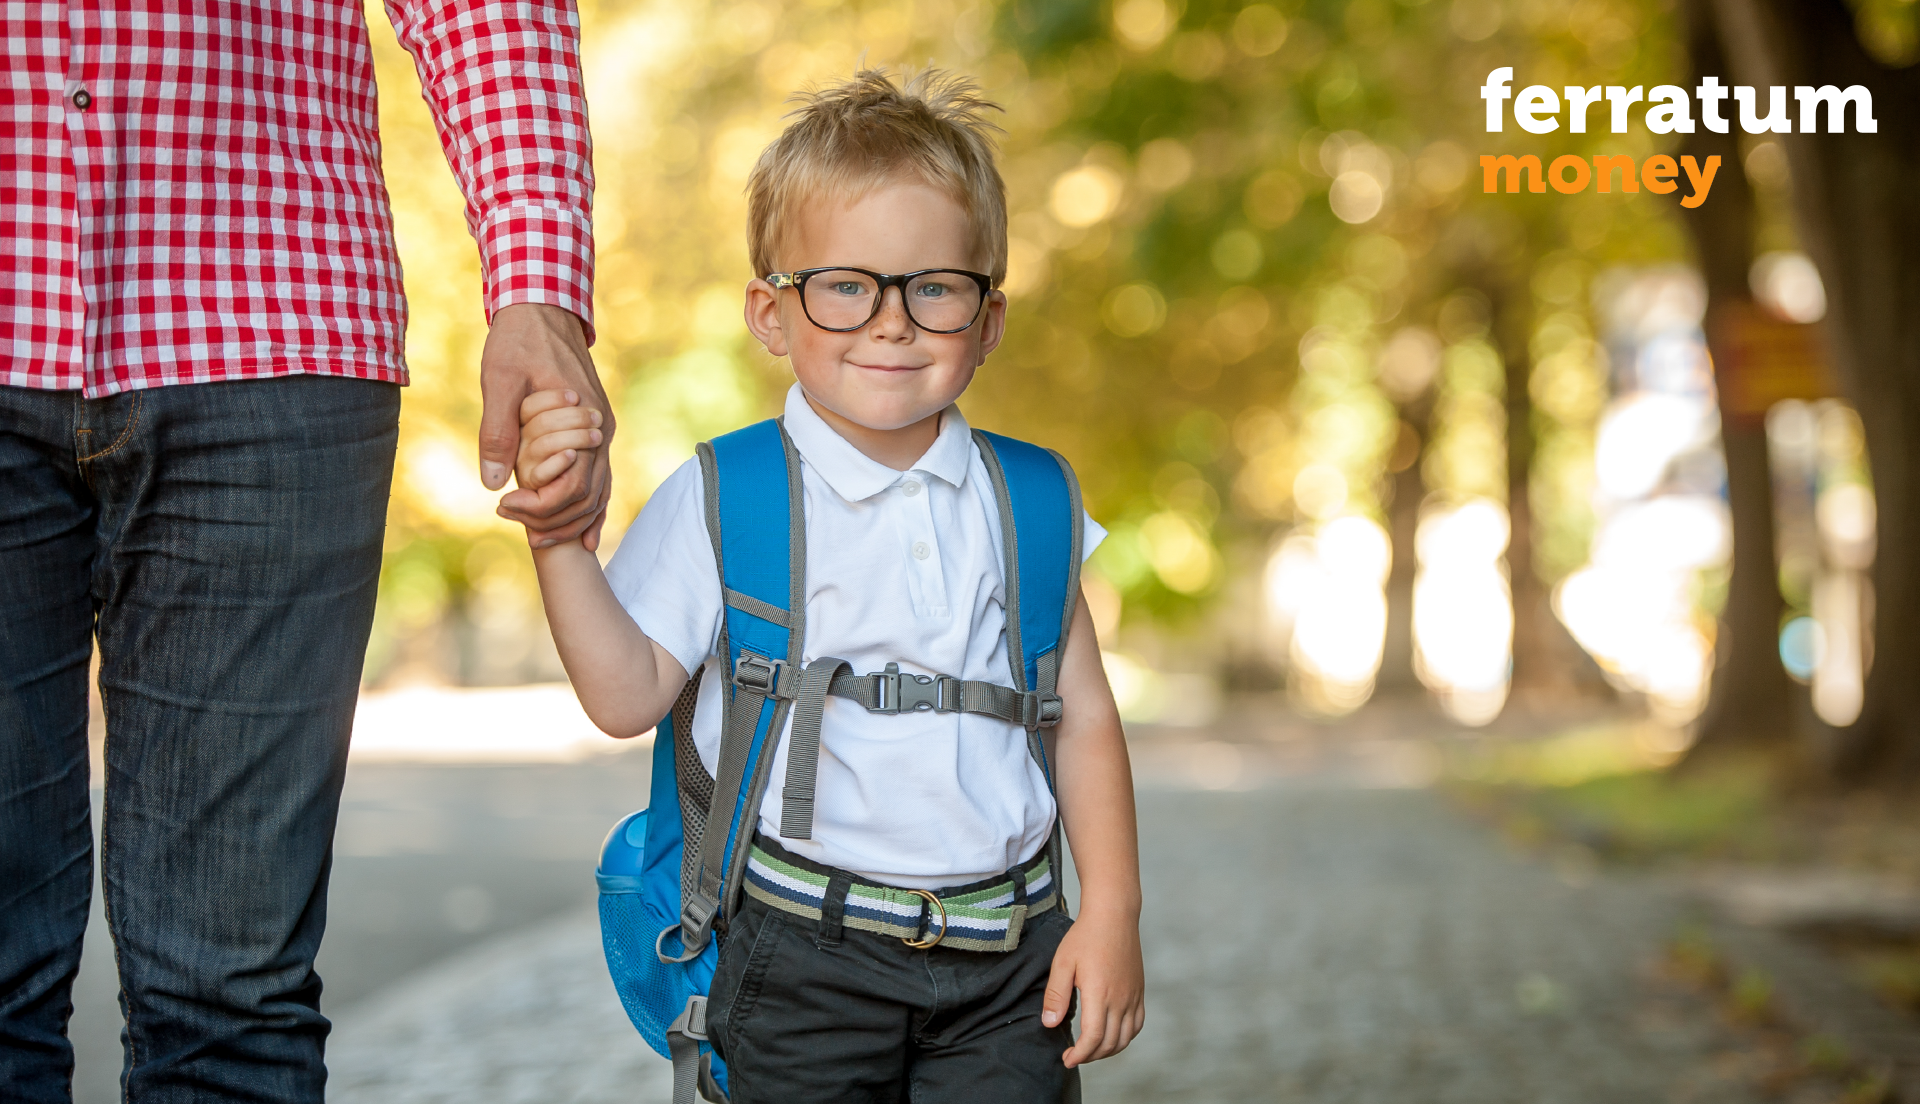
[540,347]
[1100,956]
[553,427]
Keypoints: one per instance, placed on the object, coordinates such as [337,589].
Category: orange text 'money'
[1572,173]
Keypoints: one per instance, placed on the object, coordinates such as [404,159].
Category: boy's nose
[892,320]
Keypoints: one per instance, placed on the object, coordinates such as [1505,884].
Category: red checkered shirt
[190,189]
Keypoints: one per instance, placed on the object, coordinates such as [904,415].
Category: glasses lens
[943,300]
[840,299]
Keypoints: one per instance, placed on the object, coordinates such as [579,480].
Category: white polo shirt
[901,567]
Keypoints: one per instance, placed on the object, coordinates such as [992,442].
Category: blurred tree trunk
[1397,674]
[1854,208]
[1751,700]
[1547,662]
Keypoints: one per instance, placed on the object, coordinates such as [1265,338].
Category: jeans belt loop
[833,909]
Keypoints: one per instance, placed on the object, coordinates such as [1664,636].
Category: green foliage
[1889,29]
[1235,137]
[1202,194]
[1592,787]
[1039,28]
[1752,995]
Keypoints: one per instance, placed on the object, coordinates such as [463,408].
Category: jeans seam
[933,1005]
[113,937]
[133,421]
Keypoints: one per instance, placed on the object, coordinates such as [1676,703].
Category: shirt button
[910,488]
[921,551]
[82,99]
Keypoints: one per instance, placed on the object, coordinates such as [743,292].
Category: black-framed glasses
[938,300]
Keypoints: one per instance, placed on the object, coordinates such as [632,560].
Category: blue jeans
[222,541]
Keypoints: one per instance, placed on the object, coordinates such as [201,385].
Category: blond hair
[855,136]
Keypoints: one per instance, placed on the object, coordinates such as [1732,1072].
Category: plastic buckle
[692,1020]
[907,693]
[696,919]
[1038,710]
[759,675]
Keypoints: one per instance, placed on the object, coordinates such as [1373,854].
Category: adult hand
[536,347]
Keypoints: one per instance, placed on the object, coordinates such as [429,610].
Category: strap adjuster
[692,1020]
[696,918]
[1039,710]
[899,692]
[760,675]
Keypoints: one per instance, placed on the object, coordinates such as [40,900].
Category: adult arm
[502,80]
[1100,955]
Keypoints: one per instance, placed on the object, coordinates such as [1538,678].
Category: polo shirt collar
[855,476]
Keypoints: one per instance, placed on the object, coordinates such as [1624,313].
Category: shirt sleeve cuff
[539,254]
[1091,534]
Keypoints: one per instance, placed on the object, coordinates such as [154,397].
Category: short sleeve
[1091,534]
[664,573]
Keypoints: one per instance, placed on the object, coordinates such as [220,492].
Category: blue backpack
[670,874]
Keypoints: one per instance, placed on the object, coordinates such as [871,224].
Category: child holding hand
[878,228]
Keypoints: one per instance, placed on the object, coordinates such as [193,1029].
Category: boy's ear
[994,326]
[763,317]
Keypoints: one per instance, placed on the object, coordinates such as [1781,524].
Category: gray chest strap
[889,692]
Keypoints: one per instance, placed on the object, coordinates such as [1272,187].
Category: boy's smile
[882,386]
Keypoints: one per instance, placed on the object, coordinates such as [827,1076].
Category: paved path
[526,1019]
[1368,946]
[1311,940]
[428,860]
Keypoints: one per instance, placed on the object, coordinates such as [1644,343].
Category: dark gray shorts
[801,1018]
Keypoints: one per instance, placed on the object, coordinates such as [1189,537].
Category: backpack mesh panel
[645,987]
[696,785]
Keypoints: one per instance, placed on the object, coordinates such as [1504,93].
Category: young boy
[903,565]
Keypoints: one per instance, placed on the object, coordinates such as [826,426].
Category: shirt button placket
[922,521]
[931,583]
[89,163]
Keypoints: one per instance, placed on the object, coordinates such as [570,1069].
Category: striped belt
[980,916]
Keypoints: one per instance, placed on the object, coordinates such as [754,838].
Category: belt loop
[1019,877]
[1015,923]
[833,909]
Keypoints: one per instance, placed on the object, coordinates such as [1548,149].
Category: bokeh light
[1787,283]
[1662,523]
[1264,338]
[1827,524]
[1325,600]
[1463,608]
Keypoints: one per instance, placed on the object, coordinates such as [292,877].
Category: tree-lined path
[1318,938]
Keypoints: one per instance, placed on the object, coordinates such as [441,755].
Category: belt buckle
[928,896]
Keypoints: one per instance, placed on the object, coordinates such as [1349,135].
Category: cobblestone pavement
[526,1019]
[1368,946]
[1311,943]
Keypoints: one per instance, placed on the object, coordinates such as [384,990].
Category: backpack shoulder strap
[752,478]
[754,517]
[1040,532]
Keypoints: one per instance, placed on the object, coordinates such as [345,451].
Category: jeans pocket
[742,993]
